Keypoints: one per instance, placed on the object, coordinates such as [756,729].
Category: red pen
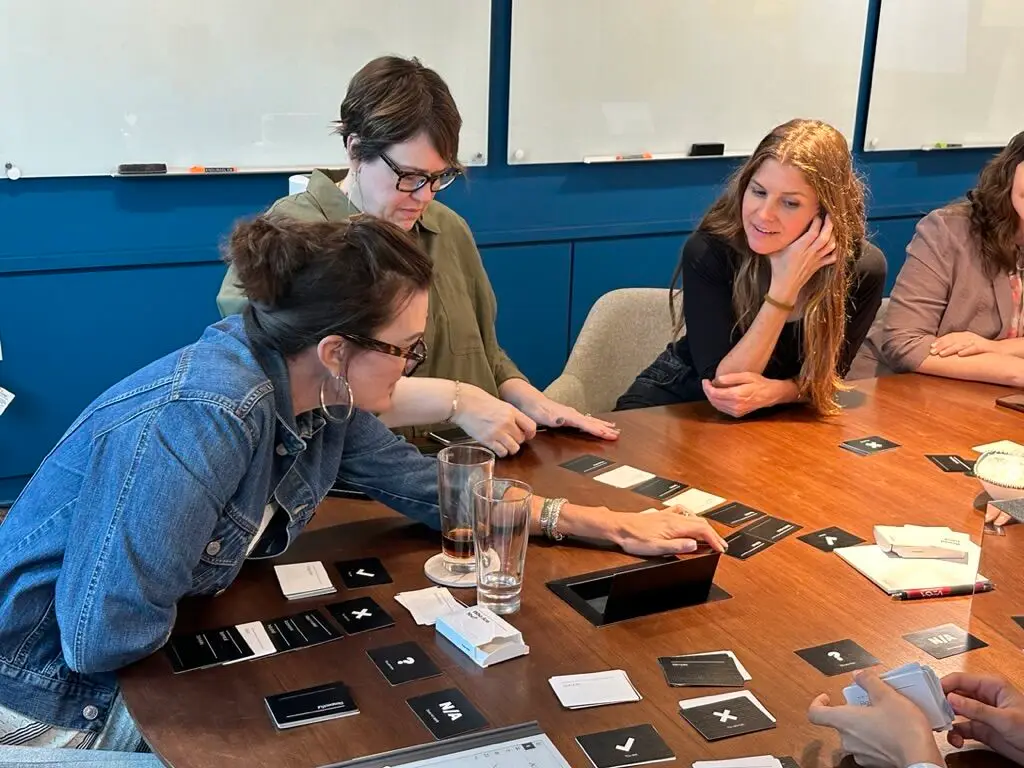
[961,591]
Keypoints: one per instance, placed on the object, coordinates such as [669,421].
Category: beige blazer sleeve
[920,296]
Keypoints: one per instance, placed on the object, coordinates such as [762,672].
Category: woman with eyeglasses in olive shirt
[400,127]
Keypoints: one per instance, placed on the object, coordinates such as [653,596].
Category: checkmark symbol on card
[627,746]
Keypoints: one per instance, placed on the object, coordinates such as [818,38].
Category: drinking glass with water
[500,533]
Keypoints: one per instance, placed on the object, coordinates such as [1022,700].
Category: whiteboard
[252,84]
[608,77]
[949,71]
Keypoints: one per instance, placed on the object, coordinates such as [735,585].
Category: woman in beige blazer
[957,309]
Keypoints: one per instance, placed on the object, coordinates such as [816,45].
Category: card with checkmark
[635,745]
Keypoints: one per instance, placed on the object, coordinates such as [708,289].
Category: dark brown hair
[994,221]
[308,280]
[821,153]
[391,100]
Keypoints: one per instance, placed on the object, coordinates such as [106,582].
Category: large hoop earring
[339,381]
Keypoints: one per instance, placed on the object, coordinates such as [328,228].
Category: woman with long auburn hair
[779,287]
[957,309]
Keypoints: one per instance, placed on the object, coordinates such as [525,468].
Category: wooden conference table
[789,597]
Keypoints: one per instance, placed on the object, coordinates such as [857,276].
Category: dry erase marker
[942,145]
[212,169]
[960,591]
[636,156]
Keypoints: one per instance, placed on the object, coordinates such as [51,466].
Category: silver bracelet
[549,513]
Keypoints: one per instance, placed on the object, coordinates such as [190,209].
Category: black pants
[666,381]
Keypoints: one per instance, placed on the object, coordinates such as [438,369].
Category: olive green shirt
[461,341]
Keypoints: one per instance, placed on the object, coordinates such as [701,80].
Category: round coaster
[437,573]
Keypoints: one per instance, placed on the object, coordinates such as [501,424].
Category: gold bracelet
[455,403]
[778,304]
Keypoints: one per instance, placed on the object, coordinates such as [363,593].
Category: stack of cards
[923,542]
[635,745]
[428,605]
[715,669]
[865,446]
[311,705]
[921,685]
[301,580]
[726,715]
[594,689]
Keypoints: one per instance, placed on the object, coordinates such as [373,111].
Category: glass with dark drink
[459,469]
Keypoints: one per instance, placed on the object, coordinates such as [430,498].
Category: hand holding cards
[921,685]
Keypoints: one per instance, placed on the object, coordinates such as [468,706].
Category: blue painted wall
[100,275]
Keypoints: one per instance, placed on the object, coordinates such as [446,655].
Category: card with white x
[360,615]
[726,715]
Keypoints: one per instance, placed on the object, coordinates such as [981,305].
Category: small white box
[482,635]
[923,542]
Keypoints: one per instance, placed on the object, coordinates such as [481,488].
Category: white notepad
[896,574]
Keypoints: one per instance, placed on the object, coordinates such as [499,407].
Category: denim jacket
[156,493]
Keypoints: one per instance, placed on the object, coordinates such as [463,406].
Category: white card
[1007,446]
[624,477]
[718,698]
[304,579]
[428,605]
[6,397]
[695,501]
[594,689]
[259,642]
[762,761]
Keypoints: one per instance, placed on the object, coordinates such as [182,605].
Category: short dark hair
[309,280]
[391,100]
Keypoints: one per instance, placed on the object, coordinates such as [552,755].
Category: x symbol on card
[362,613]
[725,716]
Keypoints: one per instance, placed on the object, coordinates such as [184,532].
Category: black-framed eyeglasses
[414,354]
[410,181]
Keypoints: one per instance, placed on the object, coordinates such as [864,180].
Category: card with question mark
[837,658]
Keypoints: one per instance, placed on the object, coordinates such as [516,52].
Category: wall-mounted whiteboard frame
[607,78]
[947,72]
[248,84]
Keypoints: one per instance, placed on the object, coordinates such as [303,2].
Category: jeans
[666,381]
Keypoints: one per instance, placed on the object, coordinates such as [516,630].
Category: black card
[771,529]
[712,670]
[635,745]
[837,658]
[788,762]
[950,462]
[660,488]
[828,539]
[944,641]
[732,717]
[734,514]
[403,663]
[311,705]
[865,446]
[742,545]
[1019,620]
[587,464]
[360,615]
[365,572]
[447,713]
[206,649]
[302,630]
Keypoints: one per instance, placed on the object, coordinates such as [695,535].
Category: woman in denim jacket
[222,451]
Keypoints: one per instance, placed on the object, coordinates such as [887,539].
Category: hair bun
[266,257]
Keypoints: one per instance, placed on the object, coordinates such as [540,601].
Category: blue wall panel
[67,336]
[531,284]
